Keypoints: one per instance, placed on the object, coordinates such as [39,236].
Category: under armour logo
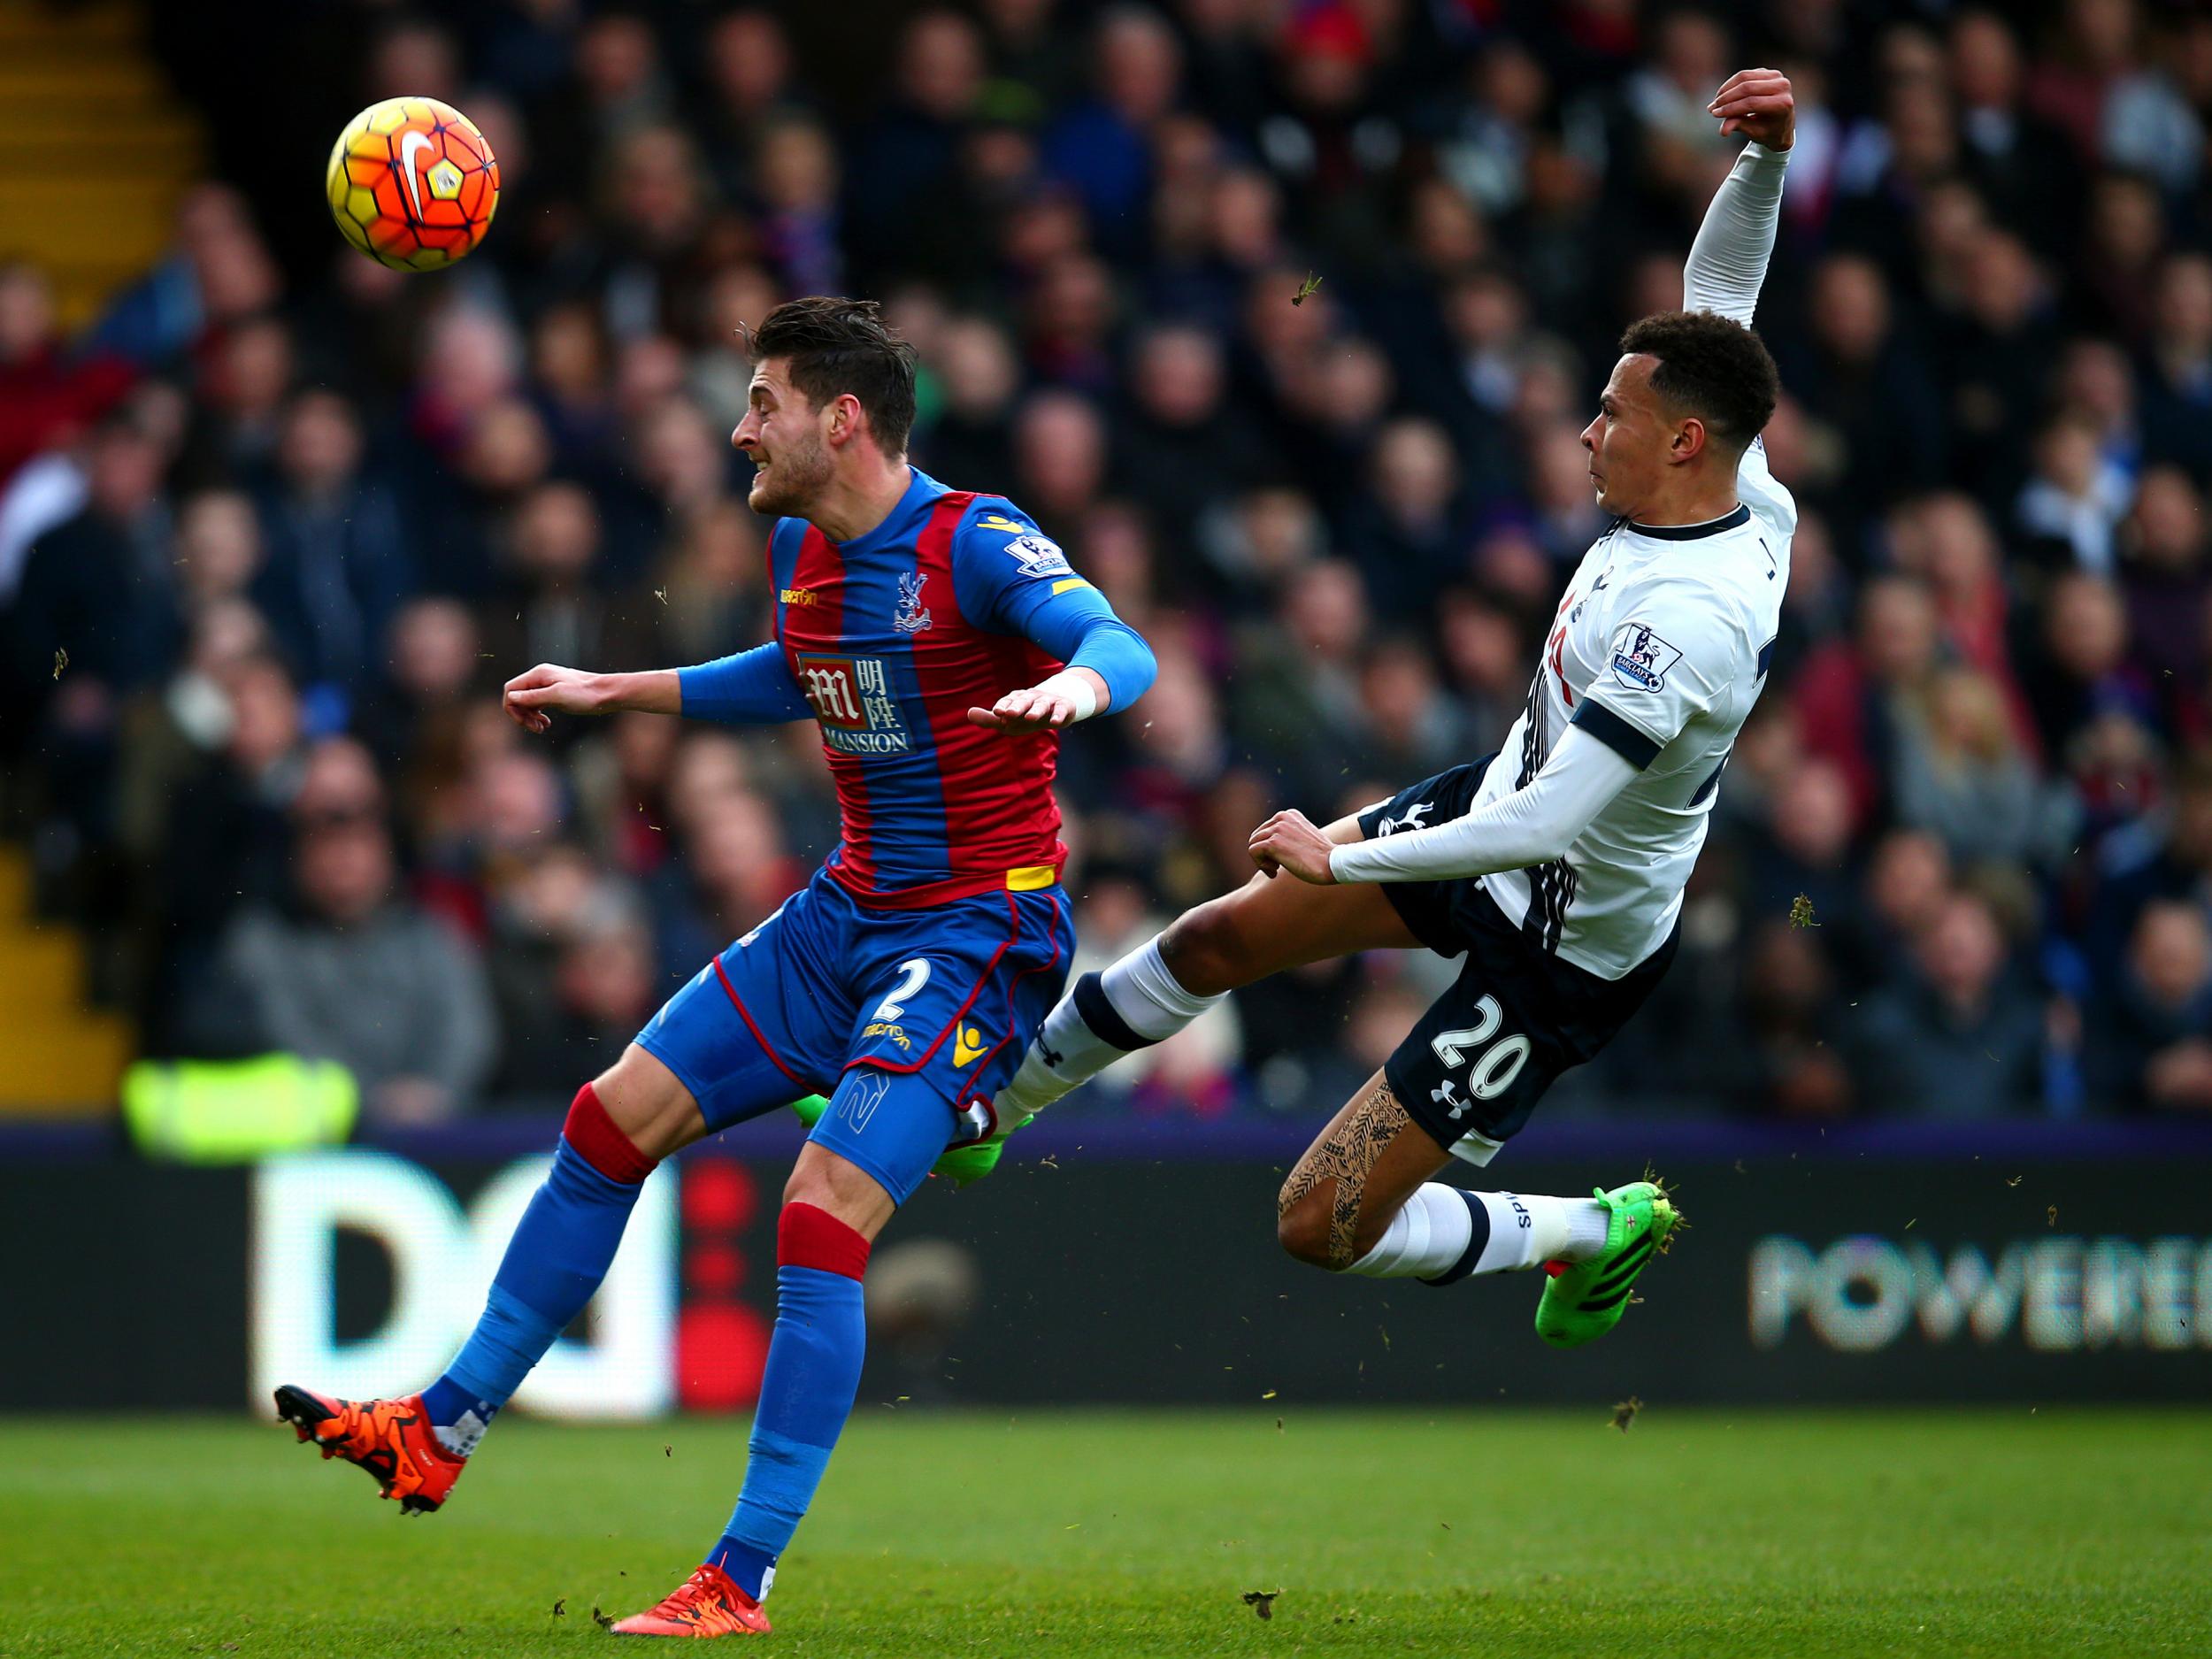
[1050,1058]
[1447,1095]
[1410,821]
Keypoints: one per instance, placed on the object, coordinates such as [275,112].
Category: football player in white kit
[1556,867]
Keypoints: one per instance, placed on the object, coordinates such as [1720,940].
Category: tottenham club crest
[909,618]
[1641,658]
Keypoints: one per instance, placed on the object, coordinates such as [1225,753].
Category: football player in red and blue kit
[924,630]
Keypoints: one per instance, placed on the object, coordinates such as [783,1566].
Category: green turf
[2002,1532]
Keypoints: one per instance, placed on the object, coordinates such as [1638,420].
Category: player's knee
[1302,1230]
[646,1105]
[593,1134]
[1206,949]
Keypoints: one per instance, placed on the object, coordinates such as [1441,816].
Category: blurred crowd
[292,527]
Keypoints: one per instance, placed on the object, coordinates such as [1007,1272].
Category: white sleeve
[1728,261]
[1678,648]
[1532,825]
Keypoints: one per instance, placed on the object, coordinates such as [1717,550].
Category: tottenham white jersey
[1659,649]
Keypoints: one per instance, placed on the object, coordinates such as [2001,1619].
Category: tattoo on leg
[1346,1156]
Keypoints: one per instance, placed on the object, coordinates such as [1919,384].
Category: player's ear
[845,421]
[1689,440]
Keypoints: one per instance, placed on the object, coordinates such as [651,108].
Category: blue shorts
[901,1016]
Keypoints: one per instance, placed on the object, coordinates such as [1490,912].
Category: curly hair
[834,345]
[1712,367]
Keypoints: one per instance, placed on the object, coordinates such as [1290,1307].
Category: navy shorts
[1475,1065]
[901,1016]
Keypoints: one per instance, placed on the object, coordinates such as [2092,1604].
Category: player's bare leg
[1263,927]
[1362,1201]
[1357,1175]
[650,1105]
[620,1126]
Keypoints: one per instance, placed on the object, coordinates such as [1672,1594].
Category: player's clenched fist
[532,696]
[1289,841]
[1757,104]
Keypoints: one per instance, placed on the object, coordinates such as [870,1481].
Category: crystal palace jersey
[892,638]
[1663,640]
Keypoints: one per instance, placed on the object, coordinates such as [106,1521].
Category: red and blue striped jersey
[892,637]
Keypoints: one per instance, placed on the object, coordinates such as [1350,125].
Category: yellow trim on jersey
[1066,582]
[1029,878]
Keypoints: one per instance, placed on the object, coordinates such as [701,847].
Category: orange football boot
[391,1439]
[708,1604]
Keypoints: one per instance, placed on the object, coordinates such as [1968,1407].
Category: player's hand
[534,696]
[1289,841]
[1042,708]
[1757,103]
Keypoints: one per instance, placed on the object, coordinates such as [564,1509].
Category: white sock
[1527,1229]
[1136,1001]
[1147,994]
[1431,1235]
[1425,1239]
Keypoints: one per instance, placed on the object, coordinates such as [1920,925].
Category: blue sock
[560,1251]
[806,1392]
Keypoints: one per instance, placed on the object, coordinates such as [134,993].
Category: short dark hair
[1710,367]
[835,345]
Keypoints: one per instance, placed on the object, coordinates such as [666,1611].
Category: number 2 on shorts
[917,975]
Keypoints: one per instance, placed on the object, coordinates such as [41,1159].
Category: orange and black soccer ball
[412,183]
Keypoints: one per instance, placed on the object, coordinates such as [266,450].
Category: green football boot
[963,1164]
[1585,1299]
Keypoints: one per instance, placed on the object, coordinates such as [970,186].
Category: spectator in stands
[338,566]
[1959,1036]
[353,972]
[48,396]
[2152,1047]
[549,609]
[2177,371]
[2169,858]
[1342,513]
[1408,532]
[1871,387]
[1852,695]
[2166,578]
[1961,773]
[1181,442]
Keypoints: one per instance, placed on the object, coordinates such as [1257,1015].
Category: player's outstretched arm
[1728,261]
[1534,825]
[534,697]
[752,687]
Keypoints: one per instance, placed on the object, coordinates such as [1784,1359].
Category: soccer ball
[412,183]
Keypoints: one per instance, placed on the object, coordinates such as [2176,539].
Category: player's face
[1630,439]
[781,435]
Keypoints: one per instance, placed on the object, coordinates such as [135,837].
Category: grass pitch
[2002,1533]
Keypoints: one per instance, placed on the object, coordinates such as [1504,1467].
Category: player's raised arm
[1728,261]
[752,687]
[1007,570]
